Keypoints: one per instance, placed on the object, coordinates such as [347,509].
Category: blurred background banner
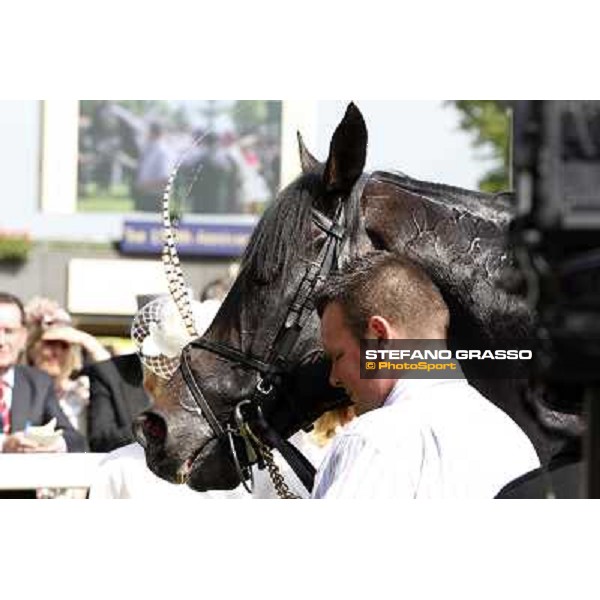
[193,239]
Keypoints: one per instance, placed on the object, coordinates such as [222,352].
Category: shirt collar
[403,388]
[8,379]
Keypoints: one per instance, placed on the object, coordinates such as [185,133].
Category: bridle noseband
[246,431]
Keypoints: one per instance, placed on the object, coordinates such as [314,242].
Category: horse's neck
[443,234]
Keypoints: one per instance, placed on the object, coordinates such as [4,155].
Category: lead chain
[281,487]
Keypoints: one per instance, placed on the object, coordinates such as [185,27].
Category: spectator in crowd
[253,191]
[105,145]
[55,346]
[117,397]
[413,438]
[210,176]
[155,165]
[216,289]
[27,395]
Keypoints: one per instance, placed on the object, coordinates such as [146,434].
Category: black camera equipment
[556,235]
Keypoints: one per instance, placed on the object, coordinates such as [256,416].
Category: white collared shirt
[431,439]
[8,384]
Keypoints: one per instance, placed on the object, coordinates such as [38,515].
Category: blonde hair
[41,315]
[328,424]
[73,358]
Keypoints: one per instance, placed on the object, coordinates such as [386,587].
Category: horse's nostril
[151,427]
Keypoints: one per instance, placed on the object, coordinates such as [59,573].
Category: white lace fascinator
[163,327]
[160,334]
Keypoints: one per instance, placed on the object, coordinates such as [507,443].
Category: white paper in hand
[44,435]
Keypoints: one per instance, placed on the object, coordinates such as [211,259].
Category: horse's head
[264,343]
[266,333]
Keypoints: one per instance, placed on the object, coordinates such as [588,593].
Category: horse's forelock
[283,233]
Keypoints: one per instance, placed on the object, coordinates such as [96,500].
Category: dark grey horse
[458,236]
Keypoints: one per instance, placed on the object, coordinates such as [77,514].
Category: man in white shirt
[413,438]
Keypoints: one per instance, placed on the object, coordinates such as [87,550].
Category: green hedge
[14,247]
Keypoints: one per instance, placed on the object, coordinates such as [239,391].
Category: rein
[247,434]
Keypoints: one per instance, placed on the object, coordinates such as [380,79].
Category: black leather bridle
[247,417]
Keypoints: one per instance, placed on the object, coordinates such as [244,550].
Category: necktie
[4,412]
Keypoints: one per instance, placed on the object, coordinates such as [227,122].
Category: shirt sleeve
[357,468]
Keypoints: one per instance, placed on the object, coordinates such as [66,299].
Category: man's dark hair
[388,285]
[6,298]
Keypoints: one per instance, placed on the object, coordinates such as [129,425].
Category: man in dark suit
[27,394]
[117,397]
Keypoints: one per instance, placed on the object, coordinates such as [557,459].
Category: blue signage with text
[193,239]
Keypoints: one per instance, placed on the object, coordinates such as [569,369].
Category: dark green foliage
[488,122]
[14,247]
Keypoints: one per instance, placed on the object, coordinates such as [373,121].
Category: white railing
[31,471]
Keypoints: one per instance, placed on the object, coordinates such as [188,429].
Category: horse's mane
[498,208]
[284,232]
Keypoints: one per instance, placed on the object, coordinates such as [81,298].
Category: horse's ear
[308,162]
[347,152]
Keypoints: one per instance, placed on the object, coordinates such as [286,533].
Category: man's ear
[380,328]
